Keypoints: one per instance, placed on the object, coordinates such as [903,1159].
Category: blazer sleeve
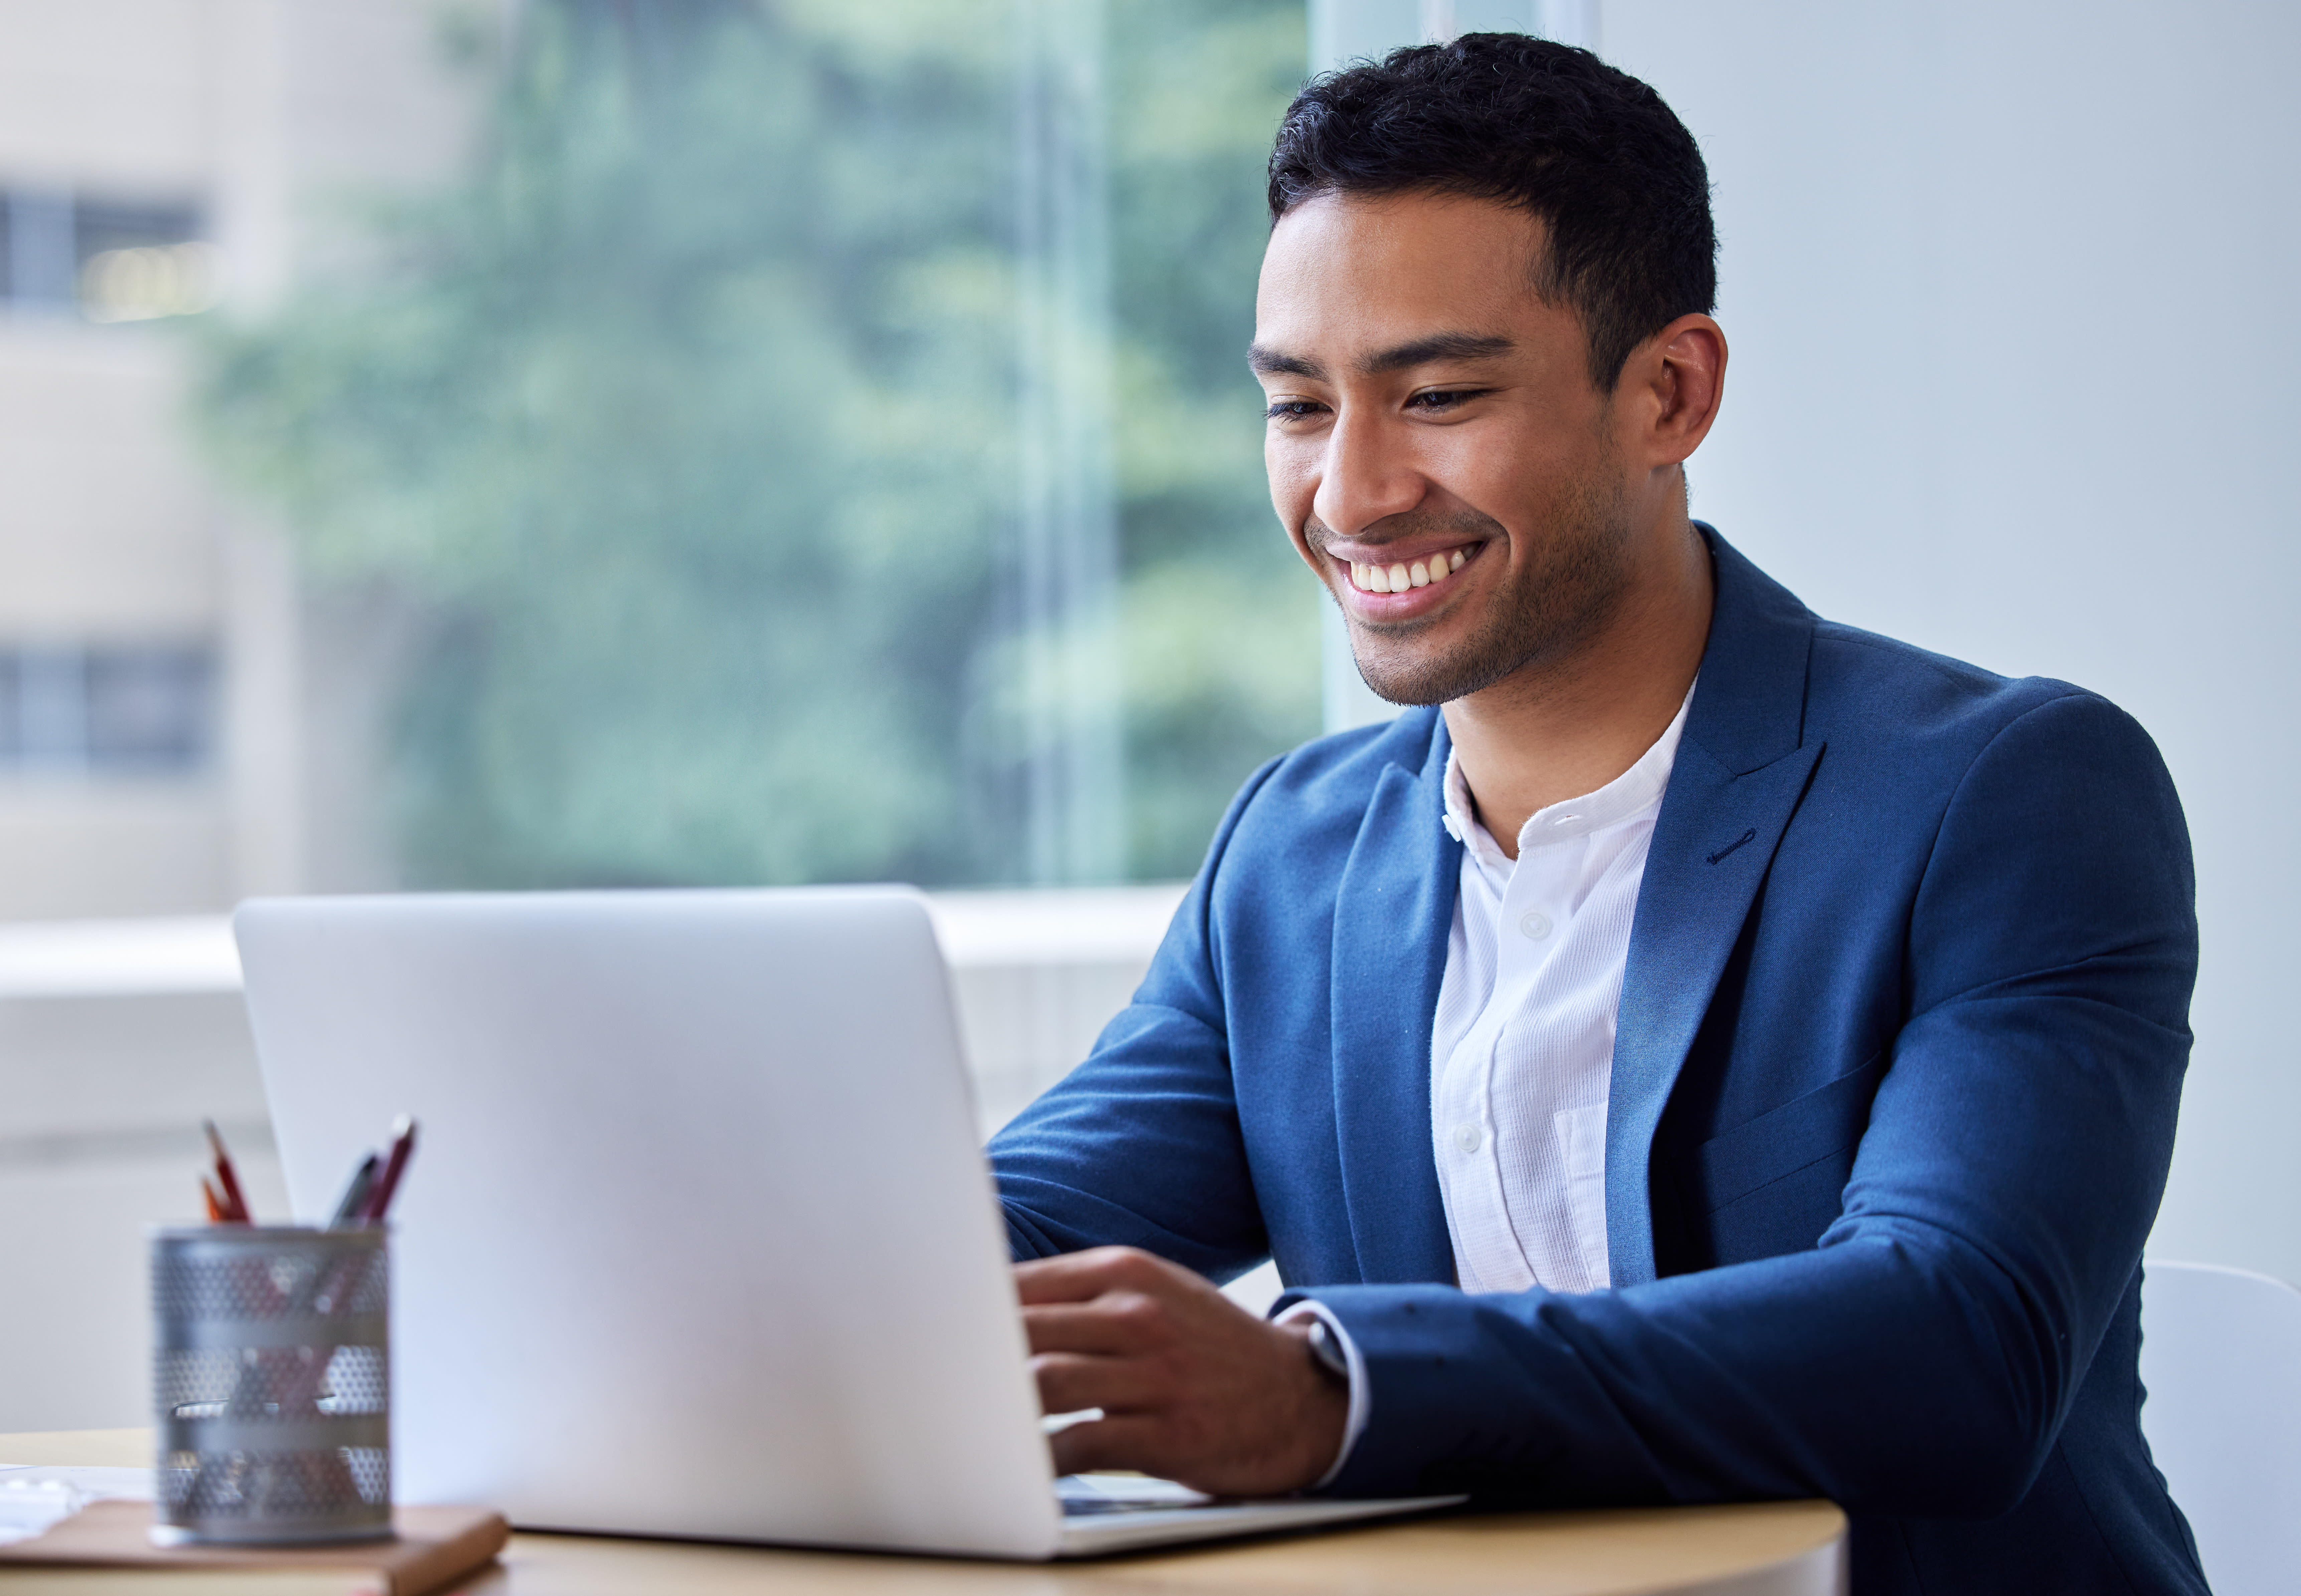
[1139,1145]
[1920,1360]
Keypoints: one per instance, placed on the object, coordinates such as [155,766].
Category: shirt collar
[1628,795]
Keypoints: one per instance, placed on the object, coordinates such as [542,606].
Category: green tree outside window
[688,418]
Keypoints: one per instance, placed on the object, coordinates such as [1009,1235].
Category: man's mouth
[1402,574]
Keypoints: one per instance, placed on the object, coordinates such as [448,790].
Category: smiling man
[1699,1052]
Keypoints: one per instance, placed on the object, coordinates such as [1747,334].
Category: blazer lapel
[1393,913]
[1742,768]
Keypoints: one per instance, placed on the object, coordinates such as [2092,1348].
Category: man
[1713,1053]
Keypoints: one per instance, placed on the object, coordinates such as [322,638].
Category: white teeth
[1398,577]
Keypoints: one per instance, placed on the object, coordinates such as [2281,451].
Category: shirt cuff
[1354,1423]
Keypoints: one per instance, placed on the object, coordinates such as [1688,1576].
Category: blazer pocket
[1781,1143]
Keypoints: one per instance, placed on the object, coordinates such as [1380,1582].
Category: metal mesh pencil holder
[271,1383]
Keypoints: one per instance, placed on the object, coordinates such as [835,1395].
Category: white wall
[2010,290]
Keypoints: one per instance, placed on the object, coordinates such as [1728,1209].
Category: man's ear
[1678,375]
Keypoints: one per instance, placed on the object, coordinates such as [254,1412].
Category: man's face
[1436,448]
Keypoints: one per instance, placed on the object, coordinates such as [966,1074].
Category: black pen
[378,1199]
[354,1197]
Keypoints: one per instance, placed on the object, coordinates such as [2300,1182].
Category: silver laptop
[698,1240]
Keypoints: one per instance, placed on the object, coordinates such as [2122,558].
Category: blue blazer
[1901,1043]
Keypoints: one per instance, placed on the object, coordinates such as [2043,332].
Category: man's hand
[1193,1388]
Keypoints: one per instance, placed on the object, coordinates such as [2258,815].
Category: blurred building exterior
[159,743]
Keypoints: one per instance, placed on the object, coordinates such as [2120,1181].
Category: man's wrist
[1352,1378]
[1327,1353]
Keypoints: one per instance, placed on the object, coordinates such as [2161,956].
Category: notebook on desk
[703,1243]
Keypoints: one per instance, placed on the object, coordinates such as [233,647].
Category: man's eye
[1444,398]
[1290,410]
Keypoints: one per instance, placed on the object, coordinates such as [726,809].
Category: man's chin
[1402,662]
[1438,659]
[1417,683]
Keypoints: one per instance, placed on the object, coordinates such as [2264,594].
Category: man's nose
[1368,475]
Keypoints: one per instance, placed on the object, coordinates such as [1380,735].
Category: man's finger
[1068,1383]
[1120,1323]
[1130,1440]
[1082,1276]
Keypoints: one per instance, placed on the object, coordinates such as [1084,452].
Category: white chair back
[2221,1358]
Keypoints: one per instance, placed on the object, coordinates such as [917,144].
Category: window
[108,261]
[73,710]
[817,443]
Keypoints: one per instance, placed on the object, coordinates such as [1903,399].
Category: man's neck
[1559,730]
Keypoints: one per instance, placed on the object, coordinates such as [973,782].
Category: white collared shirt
[1522,1045]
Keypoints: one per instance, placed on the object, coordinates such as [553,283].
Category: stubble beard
[1566,592]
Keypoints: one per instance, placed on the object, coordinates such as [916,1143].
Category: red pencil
[395,1162]
[208,1196]
[235,1202]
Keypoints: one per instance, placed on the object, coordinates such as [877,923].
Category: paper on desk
[32,1498]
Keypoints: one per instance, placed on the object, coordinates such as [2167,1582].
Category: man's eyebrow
[1439,346]
[1271,363]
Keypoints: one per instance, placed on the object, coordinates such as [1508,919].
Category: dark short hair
[1614,176]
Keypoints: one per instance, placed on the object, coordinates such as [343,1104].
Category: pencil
[208,1196]
[235,1202]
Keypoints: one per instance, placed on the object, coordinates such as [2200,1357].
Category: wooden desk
[1763,1549]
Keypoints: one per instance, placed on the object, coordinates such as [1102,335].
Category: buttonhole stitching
[1748,836]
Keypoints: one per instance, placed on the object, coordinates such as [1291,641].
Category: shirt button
[1536,925]
[1467,1138]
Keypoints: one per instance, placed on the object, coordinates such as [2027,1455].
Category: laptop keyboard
[1101,1506]
[1092,1496]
